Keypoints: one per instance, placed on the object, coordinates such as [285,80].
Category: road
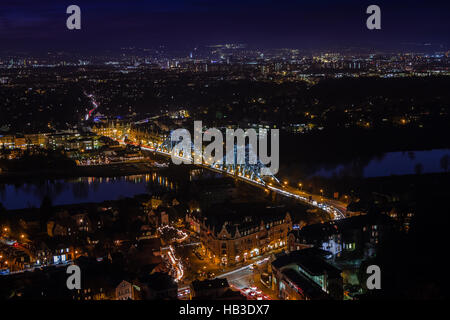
[94,104]
[176,263]
[239,278]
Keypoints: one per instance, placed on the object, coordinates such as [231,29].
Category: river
[80,190]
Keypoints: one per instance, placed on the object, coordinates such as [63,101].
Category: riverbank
[108,170]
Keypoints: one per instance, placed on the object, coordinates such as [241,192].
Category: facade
[8,141]
[24,141]
[112,129]
[294,286]
[233,241]
[53,256]
[152,204]
[87,294]
[146,137]
[67,224]
[127,291]
[73,141]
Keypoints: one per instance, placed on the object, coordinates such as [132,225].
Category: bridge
[247,172]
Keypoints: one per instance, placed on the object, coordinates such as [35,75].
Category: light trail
[242,268]
[94,103]
[181,233]
[176,263]
[233,271]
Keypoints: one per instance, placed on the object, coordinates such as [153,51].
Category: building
[70,221]
[51,253]
[127,291]
[74,140]
[158,217]
[23,141]
[152,204]
[112,129]
[233,234]
[358,235]
[306,275]
[8,141]
[37,139]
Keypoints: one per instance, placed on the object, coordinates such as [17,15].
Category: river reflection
[391,163]
[82,189]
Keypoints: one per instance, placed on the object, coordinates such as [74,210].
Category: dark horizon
[406,25]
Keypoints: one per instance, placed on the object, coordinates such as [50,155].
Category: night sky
[309,24]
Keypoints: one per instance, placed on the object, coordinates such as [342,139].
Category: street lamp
[300,186]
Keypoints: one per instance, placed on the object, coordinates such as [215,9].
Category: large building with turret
[237,233]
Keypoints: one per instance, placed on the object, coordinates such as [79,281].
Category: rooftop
[244,216]
[305,286]
[311,260]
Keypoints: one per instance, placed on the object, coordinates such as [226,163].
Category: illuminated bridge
[248,171]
